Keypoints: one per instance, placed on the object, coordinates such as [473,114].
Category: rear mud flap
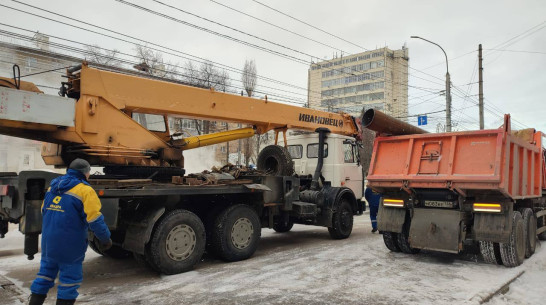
[434,229]
[390,219]
[493,227]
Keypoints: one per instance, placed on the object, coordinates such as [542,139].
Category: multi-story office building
[374,79]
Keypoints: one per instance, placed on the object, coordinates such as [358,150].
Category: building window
[31,63]
[352,69]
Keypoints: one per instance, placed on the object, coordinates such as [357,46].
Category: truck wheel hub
[180,242]
[241,233]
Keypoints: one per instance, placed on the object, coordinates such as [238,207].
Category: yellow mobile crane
[100,118]
[106,117]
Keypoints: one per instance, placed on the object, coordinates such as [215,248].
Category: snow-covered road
[303,266]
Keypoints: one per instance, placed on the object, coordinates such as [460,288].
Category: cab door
[352,170]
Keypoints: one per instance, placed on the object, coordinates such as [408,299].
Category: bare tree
[249,77]
[102,56]
[152,63]
[191,73]
[224,82]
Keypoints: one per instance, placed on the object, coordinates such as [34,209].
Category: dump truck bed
[496,160]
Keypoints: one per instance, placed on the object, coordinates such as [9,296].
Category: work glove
[103,246]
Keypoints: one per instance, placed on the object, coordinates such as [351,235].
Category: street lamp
[448,86]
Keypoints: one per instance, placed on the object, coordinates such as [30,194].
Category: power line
[286,56]
[310,25]
[41,72]
[186,23]
[84,52]
[220,24]
[124,35]
[517,38]
[278,27]
[517,51]
[120,39]
[352,74]
[416,115]
[450,59]
[147,43]
[130,55]
[419,88]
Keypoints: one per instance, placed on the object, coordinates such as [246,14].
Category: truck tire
[342,220]
[282,227]
[530,231]
[209,221]
[177,243]
[403,239]
[541,221]
[513,252]
[236,233]
[490,252]
[276,161]
[391,241]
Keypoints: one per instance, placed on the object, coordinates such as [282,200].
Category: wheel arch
[139,231]
[339,193]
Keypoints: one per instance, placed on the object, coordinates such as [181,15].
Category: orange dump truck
[447,190]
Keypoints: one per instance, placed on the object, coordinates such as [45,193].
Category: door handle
[347,178]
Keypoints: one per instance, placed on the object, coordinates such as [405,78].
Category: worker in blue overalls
[71,207]
[373,200]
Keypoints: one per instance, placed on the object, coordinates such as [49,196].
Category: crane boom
[106,107]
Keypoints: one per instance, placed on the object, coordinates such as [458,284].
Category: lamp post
[448,86]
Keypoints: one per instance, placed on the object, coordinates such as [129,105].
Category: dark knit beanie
[80,165]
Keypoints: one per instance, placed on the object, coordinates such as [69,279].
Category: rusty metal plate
[435,229]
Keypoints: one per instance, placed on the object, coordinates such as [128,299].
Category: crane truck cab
[341,166]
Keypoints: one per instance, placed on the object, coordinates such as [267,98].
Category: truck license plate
[439,204]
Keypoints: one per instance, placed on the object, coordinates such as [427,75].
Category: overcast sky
[514,82]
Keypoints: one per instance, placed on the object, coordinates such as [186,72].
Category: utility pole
[480,59]
[448,102]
